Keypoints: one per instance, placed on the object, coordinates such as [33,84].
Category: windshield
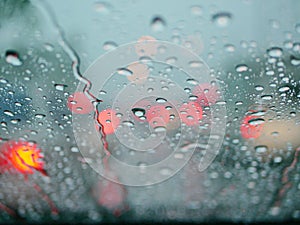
[149,111]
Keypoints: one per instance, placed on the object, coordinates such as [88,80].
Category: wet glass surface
[155,111]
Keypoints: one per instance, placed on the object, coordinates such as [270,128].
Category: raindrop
[267,97]
[8,113]
[259,88]
[40,116]
[256,121]
[158,24]
[138,112]
[258,113]
[128,123]
[275,52]
[165,171]
[196,10]
[48,47]
[109,45]
[160,129]
[192,81]
[284,89]
[15,121]
[241,68]
[193,97]
[13,58]
[60,87]
[261,149]
[222,19]
[171,60]
[124,72]
[275,133]
[270,73]
[295,61]
[74,149]
[229,48]
[195,64]
[278,159]
[161,100]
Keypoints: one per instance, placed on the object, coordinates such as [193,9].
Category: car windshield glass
[149,111]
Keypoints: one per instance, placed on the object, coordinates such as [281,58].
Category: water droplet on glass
[161,100]
[284,89]
[259,88]
[266,97]
[192,81]
[158,24]
[171,60]
[222,19]
[15,121]
[278,159]
[256,121]
[241,68]
[275,52]
[195,64]
[295,61]
[296,47]
[128,123]
[138,112]
[193,97]
[270,73]
[261,149]
[48,47]
[13,58]
[196,10]
[165,171]
[258,113]
[160,129]
[8,113]
[229,48]
[40,116]
[124,72]
[60,87]
[109,45]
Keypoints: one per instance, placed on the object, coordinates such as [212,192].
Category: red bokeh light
[109,120]
[79,103]
[249,130]
[21,156]
[190,113]
[207,94]
[111,195]
[158,116]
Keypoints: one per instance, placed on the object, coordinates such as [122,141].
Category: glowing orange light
[21,156]
[191,113]
[207,94]
[250,130]
[79,103]
[109,120]
[158,116]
